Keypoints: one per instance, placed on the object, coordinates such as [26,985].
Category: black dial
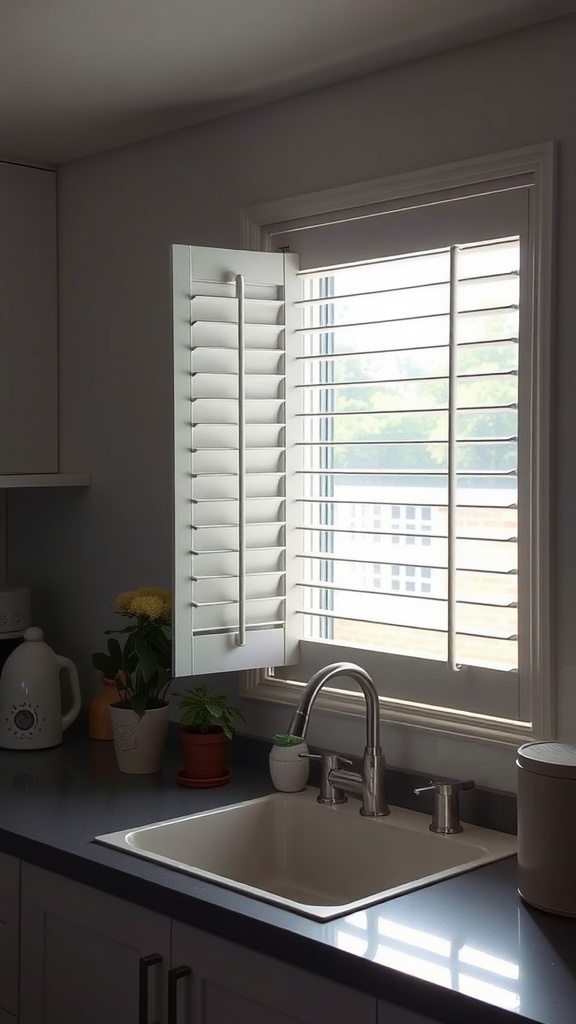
[24,719]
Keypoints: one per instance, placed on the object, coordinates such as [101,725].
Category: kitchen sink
[319,861]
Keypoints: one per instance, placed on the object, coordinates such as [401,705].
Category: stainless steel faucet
[370,784]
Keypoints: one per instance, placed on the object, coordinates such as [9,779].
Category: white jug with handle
[31,697]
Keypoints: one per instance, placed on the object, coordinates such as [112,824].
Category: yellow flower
[122,601]
[153,602]
[149,605]
[141,657]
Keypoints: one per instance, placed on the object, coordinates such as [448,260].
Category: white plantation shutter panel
[230,585]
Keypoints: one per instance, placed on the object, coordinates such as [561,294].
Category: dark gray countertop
[463,949]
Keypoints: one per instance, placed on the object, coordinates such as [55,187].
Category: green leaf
[104,664]
[203,710]
[115,651]
[214,710]
[147,660]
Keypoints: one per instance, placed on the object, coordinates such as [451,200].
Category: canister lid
[555,759]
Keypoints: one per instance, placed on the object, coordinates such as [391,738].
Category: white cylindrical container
[289,771]
[547,826]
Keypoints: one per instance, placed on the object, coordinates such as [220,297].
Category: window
[411,579]
[408,520]
[409,402]
[394,480]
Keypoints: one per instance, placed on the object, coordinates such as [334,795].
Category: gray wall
[118,214]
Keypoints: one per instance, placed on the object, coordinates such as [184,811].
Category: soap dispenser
[30,695]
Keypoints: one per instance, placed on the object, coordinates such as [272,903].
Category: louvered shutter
[231,586]
[411,511]
[410,534]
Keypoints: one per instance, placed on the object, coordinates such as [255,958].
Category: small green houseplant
[140,661]
[208,722]
[205,711]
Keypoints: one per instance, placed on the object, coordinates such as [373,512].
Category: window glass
[375,405]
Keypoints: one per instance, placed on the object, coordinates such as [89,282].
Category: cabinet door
[229,983]
[82,951]
[28,343]
[9,937]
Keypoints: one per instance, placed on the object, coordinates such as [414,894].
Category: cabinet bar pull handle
[146,962]
[174,977]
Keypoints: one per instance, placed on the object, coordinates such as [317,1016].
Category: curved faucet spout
[371,782]
[299,724]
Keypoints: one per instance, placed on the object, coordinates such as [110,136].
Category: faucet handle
[453,786]
[446,815]
[329,794]
[338,758]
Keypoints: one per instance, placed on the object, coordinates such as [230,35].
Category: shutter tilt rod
[240,638]
[452,469]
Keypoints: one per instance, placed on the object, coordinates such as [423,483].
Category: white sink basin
[319,861]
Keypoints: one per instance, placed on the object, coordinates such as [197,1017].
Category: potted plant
[208,722]
[139,659]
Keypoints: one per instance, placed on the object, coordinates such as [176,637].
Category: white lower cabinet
[83,955]
[221,982]
[89,957]
[9,937]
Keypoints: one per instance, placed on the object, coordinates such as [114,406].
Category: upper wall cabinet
[28,321]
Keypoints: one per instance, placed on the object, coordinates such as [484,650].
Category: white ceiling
[81,76]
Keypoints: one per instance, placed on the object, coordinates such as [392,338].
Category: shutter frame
[199,272]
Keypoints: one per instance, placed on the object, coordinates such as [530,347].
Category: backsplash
[485,807]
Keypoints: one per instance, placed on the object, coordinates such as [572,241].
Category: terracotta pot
[139,742]
[204,754]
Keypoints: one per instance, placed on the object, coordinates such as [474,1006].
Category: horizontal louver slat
[205,436]
[222,338]
[211,514]
[225,310]
[208,487]
[473,314]
[221,386]
[225,538]
[213,564]
[436,616]
[223,412]
[258,460]
[475,606]
[224,361]
[224,616]
[225,589]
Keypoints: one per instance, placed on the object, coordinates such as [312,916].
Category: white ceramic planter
[139,742]
[289,771]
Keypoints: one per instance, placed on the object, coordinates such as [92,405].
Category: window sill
[259,685]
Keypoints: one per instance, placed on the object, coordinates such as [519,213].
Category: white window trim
[257,225]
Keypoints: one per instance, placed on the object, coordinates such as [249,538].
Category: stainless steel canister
[547,826]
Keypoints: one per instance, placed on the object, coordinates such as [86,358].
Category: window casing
[474,700]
